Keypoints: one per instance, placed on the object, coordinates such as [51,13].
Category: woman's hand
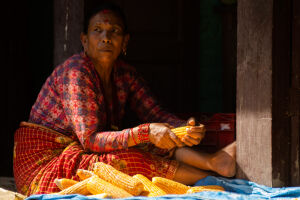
[160,135]
[194,134]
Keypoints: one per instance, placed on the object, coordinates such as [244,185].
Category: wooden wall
[295,95]
[268,92]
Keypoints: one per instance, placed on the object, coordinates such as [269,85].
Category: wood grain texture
[267,103]
[68,24]
[295,97]
[281,78]
[254,90]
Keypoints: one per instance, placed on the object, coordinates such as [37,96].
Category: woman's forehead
[107,17]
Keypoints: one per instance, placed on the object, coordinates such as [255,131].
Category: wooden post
[295,96]
[263,84]
[68,24]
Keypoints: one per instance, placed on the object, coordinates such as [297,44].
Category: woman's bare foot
[224,161]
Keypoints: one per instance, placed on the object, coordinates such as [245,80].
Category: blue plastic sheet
[236,189]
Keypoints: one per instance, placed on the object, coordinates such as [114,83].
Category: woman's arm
[149,110]
[83,105]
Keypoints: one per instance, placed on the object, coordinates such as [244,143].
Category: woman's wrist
[139,134]
[143,133]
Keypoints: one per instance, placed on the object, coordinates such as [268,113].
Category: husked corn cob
[118,178]
[149,186]
[101,196]
[180,132]
[205,188]
[84,174]
[64,183]
[169,186]
[144,193]
[78,188]
[97,185]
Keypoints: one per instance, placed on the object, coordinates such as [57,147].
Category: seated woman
[76,120]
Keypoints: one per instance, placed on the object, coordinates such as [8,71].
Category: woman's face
[105,38]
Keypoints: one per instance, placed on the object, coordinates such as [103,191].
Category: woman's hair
[104,6]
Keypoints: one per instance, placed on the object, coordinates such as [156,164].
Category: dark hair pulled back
[104,6]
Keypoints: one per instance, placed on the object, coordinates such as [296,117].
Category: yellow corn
[64,183]
[144,193]
[118,178]
[180,131]
[97,185]
[149,186]
[84,174]
[78,188]
[100,196]
[169,186]
[205,188]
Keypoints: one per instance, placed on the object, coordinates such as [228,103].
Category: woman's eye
[116,30]
[97,29]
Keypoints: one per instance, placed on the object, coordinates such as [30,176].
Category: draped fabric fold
[41,155]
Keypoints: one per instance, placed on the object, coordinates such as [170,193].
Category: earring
[124,52]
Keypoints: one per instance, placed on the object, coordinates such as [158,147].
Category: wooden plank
[264,147]
[68,24]
[295,97]
[254,90]
[280,93]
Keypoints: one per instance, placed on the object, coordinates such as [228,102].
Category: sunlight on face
[105,39]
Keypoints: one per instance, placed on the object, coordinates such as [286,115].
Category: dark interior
[185,50]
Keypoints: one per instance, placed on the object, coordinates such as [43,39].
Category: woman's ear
[83,38]
[126,40]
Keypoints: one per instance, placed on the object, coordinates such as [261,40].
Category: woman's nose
[106,40]
[106,37]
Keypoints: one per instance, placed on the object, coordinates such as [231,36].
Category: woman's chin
[106,58]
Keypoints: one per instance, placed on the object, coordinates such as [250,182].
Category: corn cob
[97,185]
[149,186]
[118,178]
[78,188]
[84,174]
[180,132]
[144,193]
[169,186]
[100,196]
[64,183]
[205,188]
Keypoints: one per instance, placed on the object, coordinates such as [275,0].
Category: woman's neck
[104,71]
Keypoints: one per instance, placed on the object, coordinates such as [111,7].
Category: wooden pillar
[295,96]
[68,24]
[263,98]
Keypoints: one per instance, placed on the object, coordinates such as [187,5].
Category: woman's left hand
[194,134]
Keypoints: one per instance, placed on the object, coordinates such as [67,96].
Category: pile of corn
[107,182]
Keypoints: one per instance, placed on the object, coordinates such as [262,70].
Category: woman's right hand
[160,135]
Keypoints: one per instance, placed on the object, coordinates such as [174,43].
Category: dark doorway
[26,63]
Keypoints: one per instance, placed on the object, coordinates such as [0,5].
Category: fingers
[196,132]
[167,145]
[162,136]
[194,135]
[191,121]
[200,128]
[188,140]
[175,139]
[168,125]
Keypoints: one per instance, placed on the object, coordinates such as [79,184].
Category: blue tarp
[235,189]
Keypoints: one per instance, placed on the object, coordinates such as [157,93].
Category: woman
[76,118]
